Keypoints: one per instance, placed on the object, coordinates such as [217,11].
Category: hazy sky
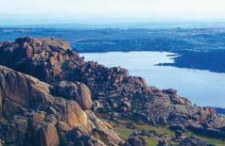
[151,9]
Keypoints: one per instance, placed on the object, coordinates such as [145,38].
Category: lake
[203,88]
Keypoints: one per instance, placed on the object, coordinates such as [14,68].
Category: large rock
[36,117]
[102,130]
[136,141]
[21,91]
[42,58]
[70,112]
[75,91]
[47,136]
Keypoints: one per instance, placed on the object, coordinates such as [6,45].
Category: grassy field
[124,133]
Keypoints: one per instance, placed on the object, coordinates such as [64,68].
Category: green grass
[159,130]
[124,132]
[151,141]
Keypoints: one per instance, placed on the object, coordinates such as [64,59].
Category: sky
[69,10]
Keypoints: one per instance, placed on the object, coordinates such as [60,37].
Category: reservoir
[203,88]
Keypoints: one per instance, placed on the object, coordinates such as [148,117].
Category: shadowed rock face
[64,101]
[42,58]
[20,92]
[35,117]
[75,91]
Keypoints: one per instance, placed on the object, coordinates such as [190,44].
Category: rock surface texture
[55,103]
[31,115]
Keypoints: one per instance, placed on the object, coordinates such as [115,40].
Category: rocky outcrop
[52,60]
[47,136]
[42,58]
[75,91]
[63,93]
[136,141]
[111,82]
[36,117]
[184,141]
[20,92]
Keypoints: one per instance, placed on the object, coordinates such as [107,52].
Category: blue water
[203,88]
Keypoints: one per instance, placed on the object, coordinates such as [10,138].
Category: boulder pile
[32,115]
[57,100]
